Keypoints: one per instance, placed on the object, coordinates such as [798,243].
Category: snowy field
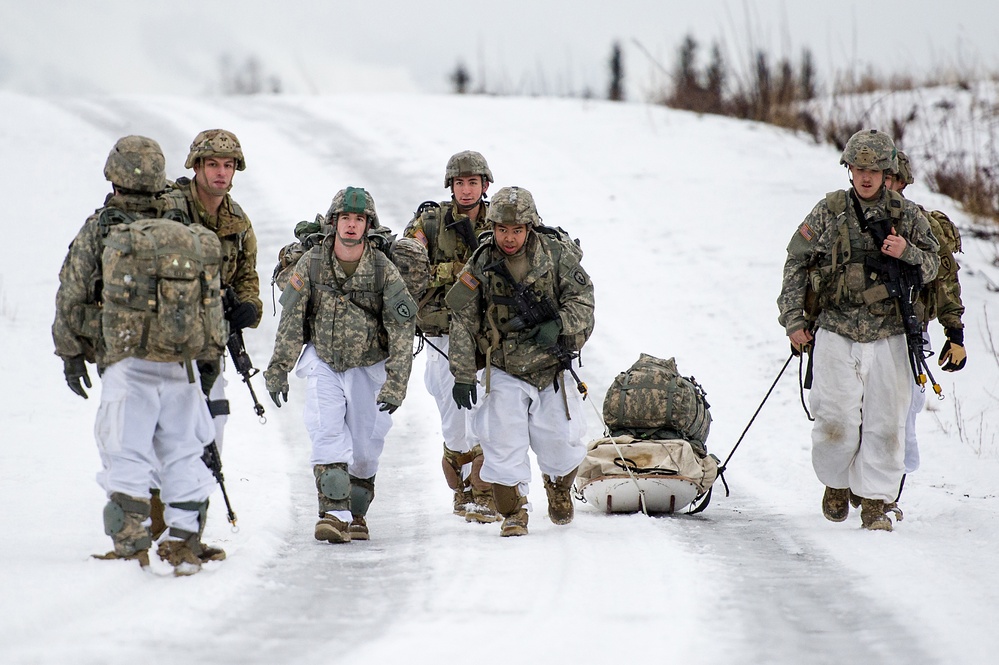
[684,221]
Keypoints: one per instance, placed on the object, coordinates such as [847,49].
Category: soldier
[450,231]
[527,404]
[152,417]
[943,303]
[860,391]
[215,156]
[349,306]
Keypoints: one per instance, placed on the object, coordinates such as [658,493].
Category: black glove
[242,315]
[953,357]
[464,395]
[75,368]
[209,371]
[276,397]
[385,405]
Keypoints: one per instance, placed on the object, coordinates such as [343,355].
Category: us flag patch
[296,282]
[422,237]
[469,281]
[806,232]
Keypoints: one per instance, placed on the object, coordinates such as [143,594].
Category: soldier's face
[894,184]
[468,189]
[509,237]
[350,226]
[866,182]
[214,174]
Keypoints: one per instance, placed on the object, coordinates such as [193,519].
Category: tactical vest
[845,276]
[936,297]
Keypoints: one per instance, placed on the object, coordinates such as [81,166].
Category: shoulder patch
[296,282]
[469,280]
[579,277]
[806,231]
[422,237]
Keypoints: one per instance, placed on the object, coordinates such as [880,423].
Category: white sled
[622,494]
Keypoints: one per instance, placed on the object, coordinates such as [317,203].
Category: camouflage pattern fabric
[349,320]
[239,243]
[944,297]
[160,291]
[448,251]
[77,327]
[479,322]
[136,163]
[841,283]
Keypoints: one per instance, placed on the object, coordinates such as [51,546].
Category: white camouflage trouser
[860,397]
[918,402]
[341,413]
[151,421]
[215,394]
[440,382]
[515,417]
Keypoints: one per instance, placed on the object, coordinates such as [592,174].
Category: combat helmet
[871,150]
[215,143]
[466,163]
[136,163]
[353,199]
[904,170]
[513,205]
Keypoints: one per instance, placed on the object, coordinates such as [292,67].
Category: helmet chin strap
[349,242]
[464,209]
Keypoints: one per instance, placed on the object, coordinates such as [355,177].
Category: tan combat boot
[332,530]
[559,491]
[512,506]
[836,504]
[482,508]
[182,550]
[451,463]
[872,515]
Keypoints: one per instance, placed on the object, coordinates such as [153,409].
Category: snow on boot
[482,508]
[358,528]
[872,515]
[184,554]
[836,504]
[515,524]
[332,530]
[560,509]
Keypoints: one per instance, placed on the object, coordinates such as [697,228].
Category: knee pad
[362,493]
[508,499]
[333,481]
[452,463]
[474,477]
[119,504]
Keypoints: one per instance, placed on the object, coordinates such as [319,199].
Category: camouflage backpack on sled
[161,290]
[652,401]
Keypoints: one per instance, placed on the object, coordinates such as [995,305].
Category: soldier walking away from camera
[450,231]
[347,303]
[860,392]
[942,302]
[139,296]
[527,403]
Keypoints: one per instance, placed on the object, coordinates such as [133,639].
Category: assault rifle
[213,461]
[532,310]
[903,282]
[240,358]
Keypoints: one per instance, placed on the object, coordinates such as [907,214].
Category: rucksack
[408,255]
[162,292]
[651,400]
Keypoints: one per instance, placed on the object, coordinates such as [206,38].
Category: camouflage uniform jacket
[479,323]
[353,322]
[944,295]
[445,233]
[76,330]
[239,244]
[846,290]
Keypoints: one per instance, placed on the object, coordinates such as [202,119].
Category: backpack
[162,292]
[652,401]
[408,255]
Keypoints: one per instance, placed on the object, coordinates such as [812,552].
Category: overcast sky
[519,46]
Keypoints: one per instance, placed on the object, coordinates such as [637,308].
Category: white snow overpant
[918,402]
[151,420]
[860,397]
[217,393]
[515,417]
[341,413]
[439,382]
